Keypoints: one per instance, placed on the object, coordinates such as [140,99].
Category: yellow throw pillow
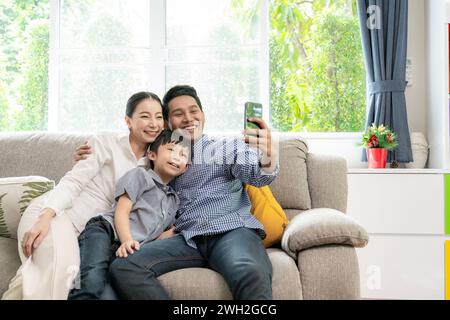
[268,211]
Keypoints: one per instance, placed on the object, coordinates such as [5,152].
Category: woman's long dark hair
[136,98]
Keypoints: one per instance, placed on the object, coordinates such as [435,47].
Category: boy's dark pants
[97,251]
[238,255]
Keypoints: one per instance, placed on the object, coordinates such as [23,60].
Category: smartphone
[252,110]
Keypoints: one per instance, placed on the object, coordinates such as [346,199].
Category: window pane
[94,98]
[104,58]
[24,48]
[211,22]
[215,48]
[96,57]
[87,23]
[217,54]
[223,89]
[317,80]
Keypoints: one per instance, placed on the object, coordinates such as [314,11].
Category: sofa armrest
[327,181]
[319,227]
[329,272]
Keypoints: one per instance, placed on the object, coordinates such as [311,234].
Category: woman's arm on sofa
[62,196]
[74,181]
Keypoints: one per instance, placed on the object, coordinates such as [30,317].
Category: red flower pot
[377,158]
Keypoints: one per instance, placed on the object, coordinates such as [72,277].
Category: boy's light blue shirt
[154,204]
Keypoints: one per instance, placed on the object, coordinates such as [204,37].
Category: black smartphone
[252,110]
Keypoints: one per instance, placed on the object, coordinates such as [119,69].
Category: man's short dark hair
[177,91]
[165,137]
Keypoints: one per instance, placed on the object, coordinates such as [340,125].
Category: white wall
[416,94]
[437,17]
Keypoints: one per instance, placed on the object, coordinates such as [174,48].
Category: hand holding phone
[258,136]
[252,110]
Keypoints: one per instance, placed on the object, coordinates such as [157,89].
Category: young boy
[145,207]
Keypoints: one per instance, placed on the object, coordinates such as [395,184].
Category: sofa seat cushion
[9,262]
[202,283]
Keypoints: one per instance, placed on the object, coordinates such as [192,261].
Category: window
[317,77]
[109,49]
[24,48]
[222,55]
[103,53]
[303,58]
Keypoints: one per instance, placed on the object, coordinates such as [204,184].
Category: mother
[51,224]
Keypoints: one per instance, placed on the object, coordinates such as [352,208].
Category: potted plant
[378,141]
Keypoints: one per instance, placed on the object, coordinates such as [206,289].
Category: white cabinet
[402,267]
[398,203]
[405,215]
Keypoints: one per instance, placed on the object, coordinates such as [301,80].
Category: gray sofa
[316,261]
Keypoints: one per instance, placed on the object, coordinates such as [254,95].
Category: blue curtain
[384,32]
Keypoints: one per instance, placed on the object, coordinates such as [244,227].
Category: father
[214,227]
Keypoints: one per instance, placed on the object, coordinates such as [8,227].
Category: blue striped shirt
[212,197]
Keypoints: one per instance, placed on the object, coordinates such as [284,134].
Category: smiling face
[170,160]
[186,116]
[147,121]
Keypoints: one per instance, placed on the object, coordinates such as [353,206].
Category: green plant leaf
[33,190]
[3,227]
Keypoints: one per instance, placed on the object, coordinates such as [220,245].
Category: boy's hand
[82,152]
[127,248]
[261,139]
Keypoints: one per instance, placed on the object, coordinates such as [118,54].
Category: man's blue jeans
[238,255]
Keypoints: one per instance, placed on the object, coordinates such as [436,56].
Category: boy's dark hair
[177,91]
[166,137]
[136,98]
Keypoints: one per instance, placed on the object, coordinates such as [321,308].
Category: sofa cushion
[195,284]
[9,262]
[44,154]
[201,283]
[15,196]
[268,211]
[290,188]
[286,283]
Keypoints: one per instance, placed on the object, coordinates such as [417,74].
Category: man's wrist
[268,160]
[265,164]
[268,168]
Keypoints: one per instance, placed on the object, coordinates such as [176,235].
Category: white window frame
[159,51]
[54,65]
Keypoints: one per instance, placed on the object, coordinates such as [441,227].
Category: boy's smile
[170,161]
